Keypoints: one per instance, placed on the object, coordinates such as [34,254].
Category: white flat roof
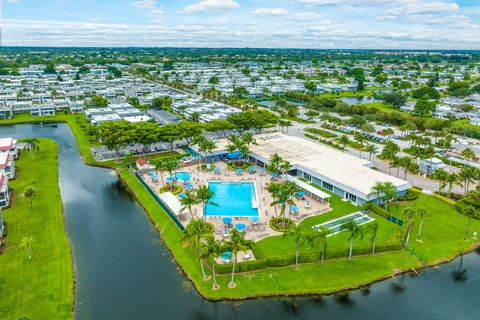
[172,202]
[333,166]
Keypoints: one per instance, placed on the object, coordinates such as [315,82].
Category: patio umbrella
[240,226]
[189,186]
[227,220]
[182,195]
[251,168]
[294,208]
[254,219]
[216,169]
[301,193]
[262,170]
[274,175]
[170,179]
[239,170]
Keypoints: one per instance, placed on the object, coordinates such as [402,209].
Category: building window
[327,186]
[306,176]
[351,197]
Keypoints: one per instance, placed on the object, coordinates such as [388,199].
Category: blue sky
[392,24]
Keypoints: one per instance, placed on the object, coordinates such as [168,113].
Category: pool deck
[255,231]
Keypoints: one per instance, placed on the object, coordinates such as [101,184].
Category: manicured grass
[387,108]
[443,229]
[318,278]
[41,288]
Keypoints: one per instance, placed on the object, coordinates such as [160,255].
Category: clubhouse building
[347,176]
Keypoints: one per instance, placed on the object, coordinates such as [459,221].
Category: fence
[160,202]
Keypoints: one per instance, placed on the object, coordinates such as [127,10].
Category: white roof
[171,202]
[309,188]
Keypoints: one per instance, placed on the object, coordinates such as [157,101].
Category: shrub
[281,261]
[252,265]
[322,133]
[281,224]
[444,199]
[376,209]
[175,189]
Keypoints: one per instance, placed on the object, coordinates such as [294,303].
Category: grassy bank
[40,288]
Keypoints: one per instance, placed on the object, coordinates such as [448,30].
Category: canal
[123,270]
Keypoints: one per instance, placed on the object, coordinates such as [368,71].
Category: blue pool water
[182,175]
[233,199]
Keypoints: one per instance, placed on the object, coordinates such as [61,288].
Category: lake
[123,270]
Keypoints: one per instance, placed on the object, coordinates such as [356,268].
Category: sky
[324,24]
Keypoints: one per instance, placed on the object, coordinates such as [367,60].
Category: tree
[286,192]
[213,80]
[423,107]
[373,228]
[241,92]
[170,133]
[452,179]
[372,150]
[298,236]
[190,130]
[343,140]
[32,145]
[204,194]
[421,213]
[146,133]
[396,99]
[188,201]
[355,232]
[468,154]
[170,166]
[115,135]
[470,212]
[98,102]
[50,68]
[274,190]
[236,244]
[214,250]
[409,214]
[192,235]
[321,236]
[221,127]
[26,243]
[441,175]
[310,86]
[468,175]
[29,193]
[426,92]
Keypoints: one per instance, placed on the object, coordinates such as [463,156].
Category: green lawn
[41,288]
[443,229]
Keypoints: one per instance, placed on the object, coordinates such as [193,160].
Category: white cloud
[205,5]
[271,11]
[183,27]
[148,5]
[425,7]
[305,16]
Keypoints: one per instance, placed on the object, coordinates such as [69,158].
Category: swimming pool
[336,224]
[182,175]
[234,199]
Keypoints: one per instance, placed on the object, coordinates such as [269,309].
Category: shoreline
[212,295]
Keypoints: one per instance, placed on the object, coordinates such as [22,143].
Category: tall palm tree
[377,189]
[236,244]
[355,232]
[286,192]
[406,162]
[360,139]
[214,250]
[273,188]
[321,236]
[32,145]
[26,243]
[285,168]
[468,154]
[248,139]
[30,192]
[468,175]
[372,150]
[188,201]
[171,165]
[203,195]
[452,179]
[409,214]
[441,175]
[470,212]
[390,192]
[422,214]
[298,236]
[373,228]
[193,234]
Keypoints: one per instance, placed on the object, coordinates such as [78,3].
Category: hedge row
[304,257]
[327,142]
[444,199]
[410,196]
[377,210]
[322,133]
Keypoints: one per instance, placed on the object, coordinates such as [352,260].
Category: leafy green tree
[115,135]
[50,68]
[98,102]
[424,107]
[214,80]
[193,234]
[343,140]
[299,236]
[426,92]
[204,195]
[372,150]
[188,201]
[396,99]
[310,86]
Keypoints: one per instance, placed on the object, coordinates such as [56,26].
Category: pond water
[358,100]
[123,270]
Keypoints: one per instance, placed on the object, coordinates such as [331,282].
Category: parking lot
[163,117]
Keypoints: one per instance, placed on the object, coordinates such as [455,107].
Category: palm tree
[421,213]
[298,236]
[248,139]
[170,166]
[377,188]
[360,139]
[406,162]
[285,196]
[203,195]
[452,179]
[210,146]
[468,175]
[193,236]
[343,140]
[26,243]
[468,154]
[372,150]
[274,189]
[409,214]
[188,201]
[32,145]
[237,243]
[214,249]
[129,159]
[390,192]
[355,232]
[470,212]
[30,193]
[441,175]
[373,228]
[322,235]
[285,168]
